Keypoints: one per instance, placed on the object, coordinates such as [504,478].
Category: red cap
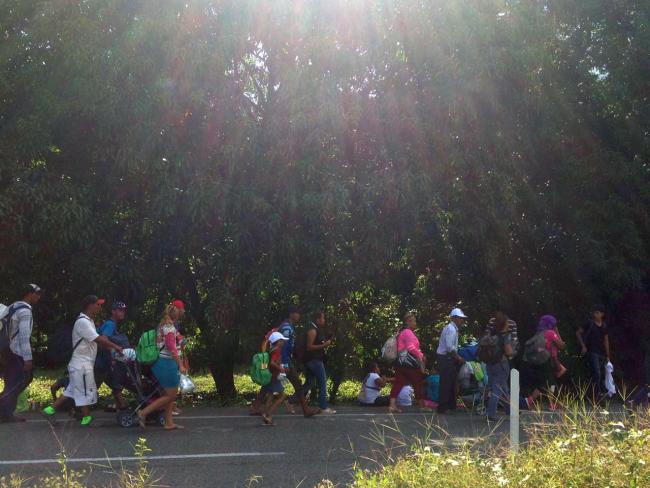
[178,304]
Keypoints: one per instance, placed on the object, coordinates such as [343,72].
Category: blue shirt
[103,360]
[286,329]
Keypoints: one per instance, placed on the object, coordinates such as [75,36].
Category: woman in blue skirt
[167,368]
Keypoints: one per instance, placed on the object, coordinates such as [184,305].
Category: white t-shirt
[85,353]
[369,390]
[405,397]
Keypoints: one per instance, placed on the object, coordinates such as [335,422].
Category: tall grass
[66,477]
[583,445]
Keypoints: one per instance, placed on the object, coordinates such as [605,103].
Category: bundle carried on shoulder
[535,351]
[389,349]
[490,349]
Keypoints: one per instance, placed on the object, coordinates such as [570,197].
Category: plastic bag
[23,402]
[609,380]
[186,384]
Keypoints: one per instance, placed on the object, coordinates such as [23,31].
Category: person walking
[497,322]
[541,376]
[81,387]
[167,368]
[593,338]
[104,361]
[315,344]
[17,358]
[410,367]
[499,371]
[449,361]
[288,331]
[273,393]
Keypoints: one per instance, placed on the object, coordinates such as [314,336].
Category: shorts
[82,388]
[273,387]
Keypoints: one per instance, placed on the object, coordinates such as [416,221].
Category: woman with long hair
[167,368]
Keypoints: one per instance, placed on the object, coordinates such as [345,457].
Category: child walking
[274,391]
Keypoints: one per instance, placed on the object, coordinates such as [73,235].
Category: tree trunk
[224,380]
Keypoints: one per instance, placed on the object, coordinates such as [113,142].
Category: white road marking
[120,459]
[288,415]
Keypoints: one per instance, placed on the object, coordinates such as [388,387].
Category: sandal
[174,427]
[394,410]
[267,420]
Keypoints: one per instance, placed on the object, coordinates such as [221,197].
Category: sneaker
[86,421]
[492,419]
[328,411]
[48,412]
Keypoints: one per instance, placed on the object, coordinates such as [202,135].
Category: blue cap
[118,305]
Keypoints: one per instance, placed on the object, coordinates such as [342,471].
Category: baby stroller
[144,387]
[472,380]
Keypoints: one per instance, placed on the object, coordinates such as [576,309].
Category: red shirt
[275,356]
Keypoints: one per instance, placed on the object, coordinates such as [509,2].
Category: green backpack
[260,372]
[147,351]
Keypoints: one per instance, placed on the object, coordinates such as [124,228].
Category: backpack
[535,351]
[260,372]
[389,349]
[147,351]
[5,322]
[490,349]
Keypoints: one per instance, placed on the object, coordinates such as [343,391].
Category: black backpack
[5,322]
[59,346]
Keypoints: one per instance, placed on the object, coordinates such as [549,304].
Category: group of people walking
[95,346]
[539,362]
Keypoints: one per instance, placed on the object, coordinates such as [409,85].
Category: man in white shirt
[449,361]
[17,373]
[82,388]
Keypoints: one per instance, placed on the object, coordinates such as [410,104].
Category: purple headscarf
[547,322]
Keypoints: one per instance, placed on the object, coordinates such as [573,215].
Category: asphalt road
[228,448]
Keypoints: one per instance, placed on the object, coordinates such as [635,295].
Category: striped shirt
[21,321]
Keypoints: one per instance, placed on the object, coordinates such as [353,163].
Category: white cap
[275,337]
[457,312]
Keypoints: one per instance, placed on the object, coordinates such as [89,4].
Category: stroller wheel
[161,418]
[125,418]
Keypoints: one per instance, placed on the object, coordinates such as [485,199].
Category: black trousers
[448,369]
[16,379]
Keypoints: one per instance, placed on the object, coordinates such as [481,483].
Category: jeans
[448,370]
[597,362]
[498,375]
[315,370]
[16,380]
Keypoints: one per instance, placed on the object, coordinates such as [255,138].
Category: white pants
[82,388]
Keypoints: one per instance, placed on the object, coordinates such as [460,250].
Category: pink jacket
[407,340]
